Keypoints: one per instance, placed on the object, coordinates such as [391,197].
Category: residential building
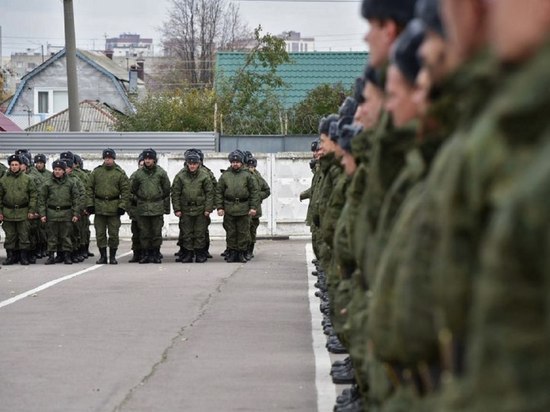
[129,45]
[296,43]
[43,92]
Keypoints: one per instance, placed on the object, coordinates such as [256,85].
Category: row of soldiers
[47,213]
[428,210]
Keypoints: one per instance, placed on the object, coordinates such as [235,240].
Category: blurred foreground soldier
[136,241]
[151,187]
[59,208]
[237,199]
[265,191]
[17,207]
[505,239]
[108,196]
[193,201]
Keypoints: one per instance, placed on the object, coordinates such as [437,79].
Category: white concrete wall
[287,174]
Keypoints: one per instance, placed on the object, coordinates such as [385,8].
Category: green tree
[191,110]
[247,101]
[304,117]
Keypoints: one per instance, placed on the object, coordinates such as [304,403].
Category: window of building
[50,101]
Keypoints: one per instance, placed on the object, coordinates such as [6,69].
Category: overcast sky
[30,24]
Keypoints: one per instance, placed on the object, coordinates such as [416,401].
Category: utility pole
[70,55]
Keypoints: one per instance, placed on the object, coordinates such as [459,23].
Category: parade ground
[171,337]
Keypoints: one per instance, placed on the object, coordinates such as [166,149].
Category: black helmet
[236,156]
[400,11]
[252,162]
[59,163]
[108,153]
[149,154]
[348,108]
[78,161]
[192,157]
[315,145]
[324,124]
[14,158]
[429,13]
[40,158]
[25,160]
[67,155]
[405,50]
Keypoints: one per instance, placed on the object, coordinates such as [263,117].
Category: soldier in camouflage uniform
[136,242]
[40,168]
[59,208]
[108,194]
[193,201]
[151,187]
[265,191]
[237,199]
[501,145]
[17,207]
[34,223]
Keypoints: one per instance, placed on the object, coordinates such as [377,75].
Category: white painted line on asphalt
[52,283]
[326,390]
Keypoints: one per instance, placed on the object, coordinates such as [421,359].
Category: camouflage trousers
[104,224]
[237,232]
[59,236]
[17,234]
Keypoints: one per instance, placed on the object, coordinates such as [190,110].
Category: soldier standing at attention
[108,196]
[136,245]
[151,187]
[237,199]
[265,191]
[40,168]
[17,208]
[59,208]
[193,201]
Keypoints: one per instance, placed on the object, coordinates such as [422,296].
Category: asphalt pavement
[168,337]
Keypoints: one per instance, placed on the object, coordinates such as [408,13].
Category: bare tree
[195,29]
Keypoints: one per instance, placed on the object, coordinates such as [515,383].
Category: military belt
[155,199]
[59,207]
[107,198]
[235,199]
[191,204]
[16,206]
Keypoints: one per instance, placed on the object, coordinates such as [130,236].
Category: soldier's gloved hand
[90,210]
[221,212]
[120,211]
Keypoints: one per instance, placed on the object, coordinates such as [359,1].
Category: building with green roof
[304,72]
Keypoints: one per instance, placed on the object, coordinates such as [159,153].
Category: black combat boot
[156,255]
[24,259]
[201,256]
[240,256]
[135,257]
[248,252]
[51,259]
[75,257]
[179,252]
[31,257]
[67,259]
[10,259]
[187,256]
[229,255]
[60,258]
[112,256]
[146,256]
[83,253]
[102,256]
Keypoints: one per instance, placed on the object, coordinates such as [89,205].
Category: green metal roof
[305,71]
